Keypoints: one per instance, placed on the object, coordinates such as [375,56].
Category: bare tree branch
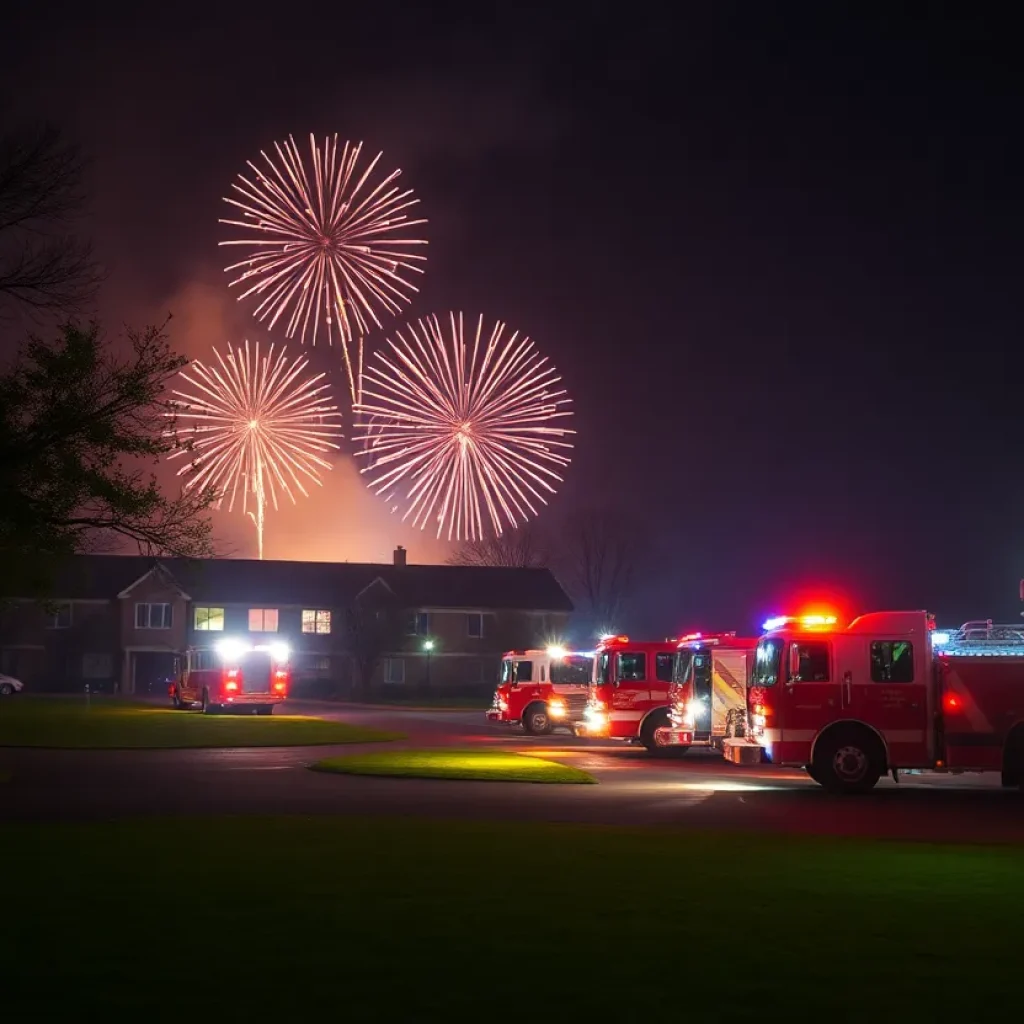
[598,565]
[524,548]
[43,266]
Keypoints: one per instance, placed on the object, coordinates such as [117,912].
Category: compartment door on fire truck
[809,697]
[728,688]
[886,685]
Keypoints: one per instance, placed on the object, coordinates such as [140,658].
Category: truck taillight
[280,681]
[759,719]
[952,702]
[231,685]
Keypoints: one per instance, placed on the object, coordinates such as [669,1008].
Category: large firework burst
[328,247]
[463,430]
[258,427]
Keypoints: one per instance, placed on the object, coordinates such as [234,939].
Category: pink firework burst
[328,247]
[257,428]
[464,431]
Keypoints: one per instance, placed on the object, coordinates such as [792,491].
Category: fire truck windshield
[767,661]
[681,666]
[570,670]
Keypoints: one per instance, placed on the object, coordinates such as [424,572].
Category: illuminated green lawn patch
[106,723]
[474,765]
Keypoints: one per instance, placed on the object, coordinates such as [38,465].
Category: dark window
[604,668]
[418,624]
[681,666]
[59,617]
[475,625]
[767,661]
[663,667]
[811,661]
[892,661]
[571,671]
[632,668]
[524,671]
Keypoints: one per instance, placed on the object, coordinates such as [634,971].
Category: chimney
[399,555]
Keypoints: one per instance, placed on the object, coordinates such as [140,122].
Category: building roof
[327,584]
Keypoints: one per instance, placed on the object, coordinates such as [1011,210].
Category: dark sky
[776,254]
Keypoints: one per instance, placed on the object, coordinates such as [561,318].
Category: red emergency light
[814,621]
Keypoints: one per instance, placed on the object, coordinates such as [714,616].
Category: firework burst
[463,430]
[258,428]
[328,247]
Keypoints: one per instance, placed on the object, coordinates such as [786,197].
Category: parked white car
[10,686]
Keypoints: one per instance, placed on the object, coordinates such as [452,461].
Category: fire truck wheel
[536,721]
[208,708]
[848,761]
[648,736]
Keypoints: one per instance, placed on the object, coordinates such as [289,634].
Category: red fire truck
[708,695]
[885,693]
[542,690]
[629,695]
[234,674]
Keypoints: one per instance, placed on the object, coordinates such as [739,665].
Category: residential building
[119,622]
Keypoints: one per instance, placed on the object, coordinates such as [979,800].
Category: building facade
[118,623]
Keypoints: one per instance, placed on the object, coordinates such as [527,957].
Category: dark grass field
[303,919]
[108,723]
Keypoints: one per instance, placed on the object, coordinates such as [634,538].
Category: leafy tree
[44,267]
[80,429]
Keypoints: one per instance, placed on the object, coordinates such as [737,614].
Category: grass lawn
[475,765]
[392,920]
[114,724]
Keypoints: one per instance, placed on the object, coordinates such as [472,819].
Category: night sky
[776,256]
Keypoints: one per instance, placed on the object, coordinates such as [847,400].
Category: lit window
[262,620]
[152,616]
[210,619]
[316,620]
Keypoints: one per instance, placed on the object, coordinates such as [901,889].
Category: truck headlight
[556,708]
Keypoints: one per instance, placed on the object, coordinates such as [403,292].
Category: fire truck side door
[808,698]
[886,685]
[632,672]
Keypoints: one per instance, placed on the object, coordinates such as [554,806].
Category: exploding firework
[329,249]
[463,430]
[259,428]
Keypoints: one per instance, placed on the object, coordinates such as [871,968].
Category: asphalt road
[698,791]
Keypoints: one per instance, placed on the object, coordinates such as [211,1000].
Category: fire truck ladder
[983,638]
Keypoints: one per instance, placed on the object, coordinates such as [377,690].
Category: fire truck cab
[708,695]
[233,674]
[885,693]
[542,690]
[629,695]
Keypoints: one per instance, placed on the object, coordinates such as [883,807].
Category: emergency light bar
[557,652]
[807,621]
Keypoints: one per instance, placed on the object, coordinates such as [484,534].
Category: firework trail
[258,427]
[328,247]
[464,431]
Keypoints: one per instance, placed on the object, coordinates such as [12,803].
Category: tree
[78,424]
[43,266]
[524,548]
[375,628]
[598,564]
